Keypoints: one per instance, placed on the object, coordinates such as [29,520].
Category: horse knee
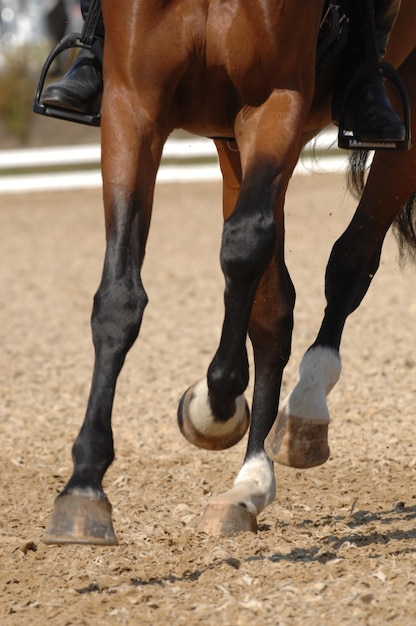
[247,245]
[117,314]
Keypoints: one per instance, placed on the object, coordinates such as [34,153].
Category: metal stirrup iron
[88,40]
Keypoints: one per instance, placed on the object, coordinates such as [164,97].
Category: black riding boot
[369,113]
[81,87]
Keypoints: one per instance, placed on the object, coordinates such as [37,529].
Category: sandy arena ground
[338,545]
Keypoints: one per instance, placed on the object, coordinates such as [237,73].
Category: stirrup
[87,40]
[346,138]
[373,66]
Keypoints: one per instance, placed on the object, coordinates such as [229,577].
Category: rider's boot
[81,87]
[369,113]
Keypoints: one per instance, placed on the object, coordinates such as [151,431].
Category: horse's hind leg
[299,436]
[131,153]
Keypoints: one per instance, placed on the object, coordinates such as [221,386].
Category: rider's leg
[369,111]
[81,87]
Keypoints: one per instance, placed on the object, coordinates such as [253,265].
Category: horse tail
[404,224]
[357,168]
[404,229]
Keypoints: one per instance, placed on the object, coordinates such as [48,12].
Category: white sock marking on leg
[255,484]
[202,418]
[319,372]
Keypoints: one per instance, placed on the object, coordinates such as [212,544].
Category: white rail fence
[184,160]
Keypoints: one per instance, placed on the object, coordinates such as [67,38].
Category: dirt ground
[338,545]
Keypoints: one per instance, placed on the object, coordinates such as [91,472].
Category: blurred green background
[28,31]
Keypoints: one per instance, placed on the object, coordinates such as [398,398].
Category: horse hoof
[223,518]
[199,426]
[80,518]
[297,442]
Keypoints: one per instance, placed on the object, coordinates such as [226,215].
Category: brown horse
[242,73]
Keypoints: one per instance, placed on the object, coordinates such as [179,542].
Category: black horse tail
[357,169]
[404,228]
[404,224]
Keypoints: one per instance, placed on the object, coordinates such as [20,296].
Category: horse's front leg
[82,512]
[217,422]
[254,271]
[270,331]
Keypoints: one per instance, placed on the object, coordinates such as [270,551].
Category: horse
[243,74]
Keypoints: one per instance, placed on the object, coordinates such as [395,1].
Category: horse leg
[131,153]
[299,436]
[222,426]
[270,331]
[252,263]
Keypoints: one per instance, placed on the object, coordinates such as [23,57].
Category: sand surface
[338,545]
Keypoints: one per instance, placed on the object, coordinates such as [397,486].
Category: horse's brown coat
[232,70]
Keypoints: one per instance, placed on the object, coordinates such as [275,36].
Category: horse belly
[232,58]
[217,84]
[207,105]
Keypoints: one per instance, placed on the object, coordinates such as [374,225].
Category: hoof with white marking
[226,519]
[199,426]
[236,510]
[298,442]
[299,436]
